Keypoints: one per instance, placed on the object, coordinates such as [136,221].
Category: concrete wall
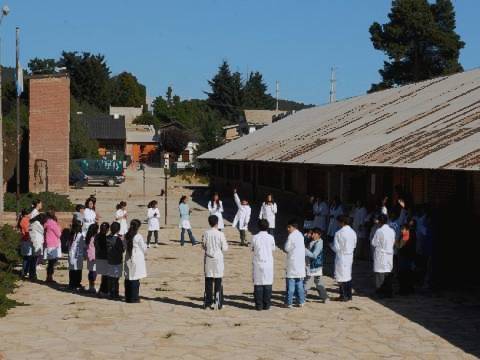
[49,124]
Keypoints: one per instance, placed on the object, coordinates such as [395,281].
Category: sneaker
[301,305]
[148,246]
[289,306]
[155,246]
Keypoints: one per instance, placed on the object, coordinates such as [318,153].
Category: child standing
[26,247]
[153,216]
[215,207]
[242,218]
[76,254]
[78,214]
[314,261]
[295,249]
[53,247]
[263,246]
[37,237]
[101,262]
[185,211]
[214,244]
[269,212]
[135,268]
[91,265]
[121,217]
[89,214]
[115,250]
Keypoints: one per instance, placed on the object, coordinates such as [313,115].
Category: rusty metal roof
[433,124]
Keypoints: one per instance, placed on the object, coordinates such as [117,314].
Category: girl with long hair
[89,214]
[53,245]
[135,268]
[91,264]
[153,217]
[121,217]
[215,207]
[115,250]
[269,212]
[76,252]
[185,212]
[101,263]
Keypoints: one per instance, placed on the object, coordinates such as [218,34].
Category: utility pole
[277,93]
[19,91]
[333,86]
[5,11]
[166,198]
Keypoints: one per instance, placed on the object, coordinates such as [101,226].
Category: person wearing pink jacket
[52,246]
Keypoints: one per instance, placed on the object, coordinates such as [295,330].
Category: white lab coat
[383,242]
[213,209]
[135,267]
[359,216]
[263,246]
[89,218]
[121,218]
[344,244]
[34,213]
[242,217]
[214,244]
[333,225]
[37,237]
[295,249]
[153,221]
[268,212]
[320,210]
[76,252]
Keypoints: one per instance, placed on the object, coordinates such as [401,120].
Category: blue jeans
[295,287]
[190,235]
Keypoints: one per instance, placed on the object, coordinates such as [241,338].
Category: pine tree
[255,94]
[419,40]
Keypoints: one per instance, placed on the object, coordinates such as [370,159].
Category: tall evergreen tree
[126,91]
[255,94]
[42,66]
[225,96]
[419,40]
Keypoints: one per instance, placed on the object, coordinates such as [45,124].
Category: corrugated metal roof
[433,124]
[104,127]
[141,134]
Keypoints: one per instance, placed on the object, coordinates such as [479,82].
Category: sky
[182,42]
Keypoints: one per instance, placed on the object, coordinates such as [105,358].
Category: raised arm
[237,199]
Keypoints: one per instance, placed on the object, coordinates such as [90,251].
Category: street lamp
[5,11]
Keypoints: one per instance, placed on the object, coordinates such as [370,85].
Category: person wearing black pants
[263,296]
[155,237]
[51,268]
[75,279]
[132,291]
[135,267]
[213,292]
[345,290]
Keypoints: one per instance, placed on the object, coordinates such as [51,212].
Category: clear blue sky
[182,42]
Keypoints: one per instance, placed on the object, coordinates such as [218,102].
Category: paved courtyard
[170,323]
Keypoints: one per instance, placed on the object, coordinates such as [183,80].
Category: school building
[421,141]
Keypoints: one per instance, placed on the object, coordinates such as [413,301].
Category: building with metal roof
[433,124]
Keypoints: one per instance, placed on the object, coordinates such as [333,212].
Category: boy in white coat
[344,243]
[214,244]
[383,242]
[263,246]
[242,218]
[295,249]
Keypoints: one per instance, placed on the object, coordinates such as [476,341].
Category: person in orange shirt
[26,248]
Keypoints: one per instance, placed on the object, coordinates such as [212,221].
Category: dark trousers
[132,291]
[271,231]
[155,235]
[406,276]
[383,282]
[104,284]
[346,290]
[51,266]
[243,237]
[263,296]
[113,288]
[74,279]
[92,276]
[30,267]
[213,291]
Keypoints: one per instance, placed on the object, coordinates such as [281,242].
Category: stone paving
[170,323]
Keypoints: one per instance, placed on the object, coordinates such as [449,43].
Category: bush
[49,199]
[9,257]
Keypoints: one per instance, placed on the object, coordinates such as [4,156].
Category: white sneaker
[155,246]
[148,246]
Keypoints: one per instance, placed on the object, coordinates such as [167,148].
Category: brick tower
[49,124]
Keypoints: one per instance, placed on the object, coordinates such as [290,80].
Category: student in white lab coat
[383,243]
[242,217]
[36,208]
[135,268]
[336,210]
[263,246]
[359,217]
[153,218]
[320,211]
[295,249]
[121,217]
[214,245]
[76,255]
[89,215]
[268,212]
[344,244]
[215,207]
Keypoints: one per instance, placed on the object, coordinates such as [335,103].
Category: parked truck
[102,171]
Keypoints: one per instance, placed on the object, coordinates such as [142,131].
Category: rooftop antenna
[277,92]
[333,85]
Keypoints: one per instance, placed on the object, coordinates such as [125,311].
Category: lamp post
[5,11]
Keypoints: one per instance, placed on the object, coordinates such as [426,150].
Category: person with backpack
[314,260]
